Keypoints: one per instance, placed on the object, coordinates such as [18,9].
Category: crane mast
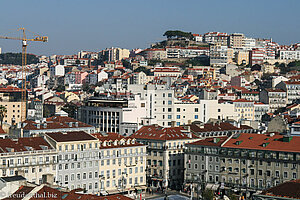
[24,40]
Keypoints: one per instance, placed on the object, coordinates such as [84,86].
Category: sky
[93,25]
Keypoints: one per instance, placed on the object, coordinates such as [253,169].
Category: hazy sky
[74,25]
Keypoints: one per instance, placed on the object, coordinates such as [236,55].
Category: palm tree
[3,112]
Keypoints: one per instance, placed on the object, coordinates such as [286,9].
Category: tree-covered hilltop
[177,34]
[16,58]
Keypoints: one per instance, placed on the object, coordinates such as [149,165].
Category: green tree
[3,112]
[208,194]
[171,34]
[16,58]
[143,69]
[71,109]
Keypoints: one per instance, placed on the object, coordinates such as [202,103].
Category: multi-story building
[33,158]
[241,57]
[122,166]
[78,160]
[10,98]
[292,89]
[276,98]
[187,112]
[159,101]
[250,95]
[167,72]
[260,109]
[256,56]
[154,54]
[114,54]
[112,114]
[218,55]
[216,38]
[164,154]
[236,41]
[249,44]
[248,162]
[289,55]
[244,108]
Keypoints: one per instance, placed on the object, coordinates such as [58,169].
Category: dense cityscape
[195,116]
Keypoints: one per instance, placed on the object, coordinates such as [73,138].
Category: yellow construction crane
[24,40]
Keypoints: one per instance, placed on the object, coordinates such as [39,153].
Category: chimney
[38,125]
[70,124]
[45,125]
[76,124]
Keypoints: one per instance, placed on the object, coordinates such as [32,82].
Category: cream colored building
[10,97]
[122,165]
[32,158]
[164,154]
[242,57]
[236,40]
[244,108]
[14,112]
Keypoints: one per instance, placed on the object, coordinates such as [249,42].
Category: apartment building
[187,112]
[159,100]
[236,41]
[244,108]
[218,55]
[167,72]
[10,98]
[260,109]
[292,89]
[256,56]
[165,153]
[33,158]
[276,98]
[122,165]
[289,55]
[244,161]
[250,95]
[156,54]
[78,160]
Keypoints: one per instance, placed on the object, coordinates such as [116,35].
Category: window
[178,116]
[196,116]
[169,102]
[196,109]
[169,116]
[169,109]
[285,174]
[196,166]
[178,109]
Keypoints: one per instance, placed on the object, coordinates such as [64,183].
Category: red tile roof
[23,144]
[241,100]
[257,141]
[154,132]
[70,136]
[289,189]
[55,122]
[210,141]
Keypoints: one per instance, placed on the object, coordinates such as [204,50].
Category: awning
[103,193]
[211,186]
[112,191]
[138,188]
[143,187]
